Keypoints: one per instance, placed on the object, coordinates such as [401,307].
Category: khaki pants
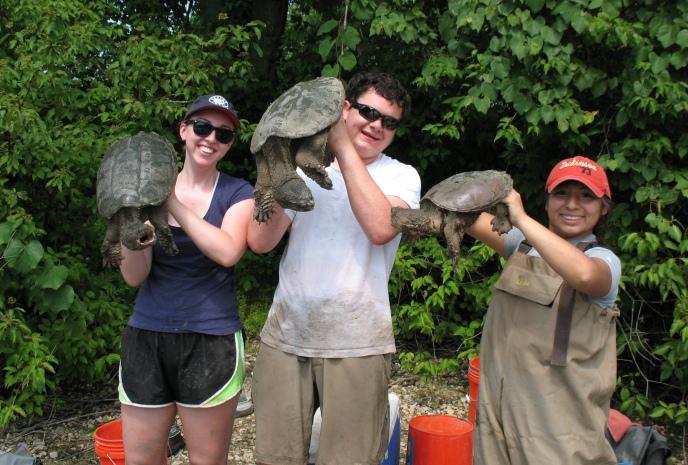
[352,394]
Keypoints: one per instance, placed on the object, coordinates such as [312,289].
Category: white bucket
[392,454]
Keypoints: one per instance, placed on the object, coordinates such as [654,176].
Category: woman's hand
[514,204]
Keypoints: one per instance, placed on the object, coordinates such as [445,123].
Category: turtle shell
[470,191]
[136,171]
[301,111]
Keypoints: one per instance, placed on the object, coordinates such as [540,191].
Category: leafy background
[496,84]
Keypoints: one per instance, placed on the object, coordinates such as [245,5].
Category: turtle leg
[454,230]
[111,248]
[453,233]
[310,157]
[417,222]
[263,208]
[158,218]
[500,222]
[289,189]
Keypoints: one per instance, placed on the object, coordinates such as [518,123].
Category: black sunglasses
[371,114]
[203,129]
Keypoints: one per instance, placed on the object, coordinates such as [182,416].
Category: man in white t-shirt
[328,338]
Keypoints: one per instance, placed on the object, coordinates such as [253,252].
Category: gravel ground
[65,435]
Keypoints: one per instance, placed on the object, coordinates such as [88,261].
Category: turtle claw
[263,209]
[311,158]
[500,223]
[111,253]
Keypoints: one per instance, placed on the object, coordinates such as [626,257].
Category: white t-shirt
[332,299]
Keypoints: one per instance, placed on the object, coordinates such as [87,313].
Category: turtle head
[294,194]
[134,233]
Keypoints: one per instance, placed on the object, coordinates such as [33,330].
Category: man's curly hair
[384,84]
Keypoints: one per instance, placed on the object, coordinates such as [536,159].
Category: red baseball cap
[583,170]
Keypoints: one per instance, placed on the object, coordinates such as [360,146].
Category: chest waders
[540,401]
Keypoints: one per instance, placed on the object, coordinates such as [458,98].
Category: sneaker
[244,407]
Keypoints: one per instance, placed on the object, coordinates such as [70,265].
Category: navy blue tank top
[189,292]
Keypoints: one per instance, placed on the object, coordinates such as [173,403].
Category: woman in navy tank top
[182,350]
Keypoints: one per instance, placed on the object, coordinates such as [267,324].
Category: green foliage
[73,80]
[253,314]
[512,85]
[542,80]
[632,401]
[438,305]
[426,366]
[675,413]
[28,365]
[256,280]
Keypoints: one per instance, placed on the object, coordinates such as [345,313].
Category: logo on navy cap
[220,101]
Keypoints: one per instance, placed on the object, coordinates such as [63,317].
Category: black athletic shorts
[191,369]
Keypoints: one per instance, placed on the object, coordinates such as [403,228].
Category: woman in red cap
[548,349]
[182,350]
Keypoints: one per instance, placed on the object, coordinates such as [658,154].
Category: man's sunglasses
[203,129]
[371,114]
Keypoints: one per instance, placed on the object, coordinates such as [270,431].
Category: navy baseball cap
[214,102]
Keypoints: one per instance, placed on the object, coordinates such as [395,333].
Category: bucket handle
[110,459]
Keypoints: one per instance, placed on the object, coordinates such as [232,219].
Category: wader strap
[562,328]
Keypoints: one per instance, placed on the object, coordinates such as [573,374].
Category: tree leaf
[682,38]
[60,299]
[327,26]
[665,35]
[324,47]
[351,37]
[53,277]
[347,61]
[330,71]
[23,258]
[535,5]
[482,104]
[547,114]
[500,68]
[6,232]
[679,59]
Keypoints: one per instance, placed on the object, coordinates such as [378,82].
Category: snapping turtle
[454,204]
[135,178]
[293,132]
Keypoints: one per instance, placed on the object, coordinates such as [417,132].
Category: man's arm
[371,207]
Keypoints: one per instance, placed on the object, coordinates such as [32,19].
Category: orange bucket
[109,444]
[439,440]
[473,388]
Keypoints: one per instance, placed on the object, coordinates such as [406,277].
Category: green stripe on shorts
[233,386]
